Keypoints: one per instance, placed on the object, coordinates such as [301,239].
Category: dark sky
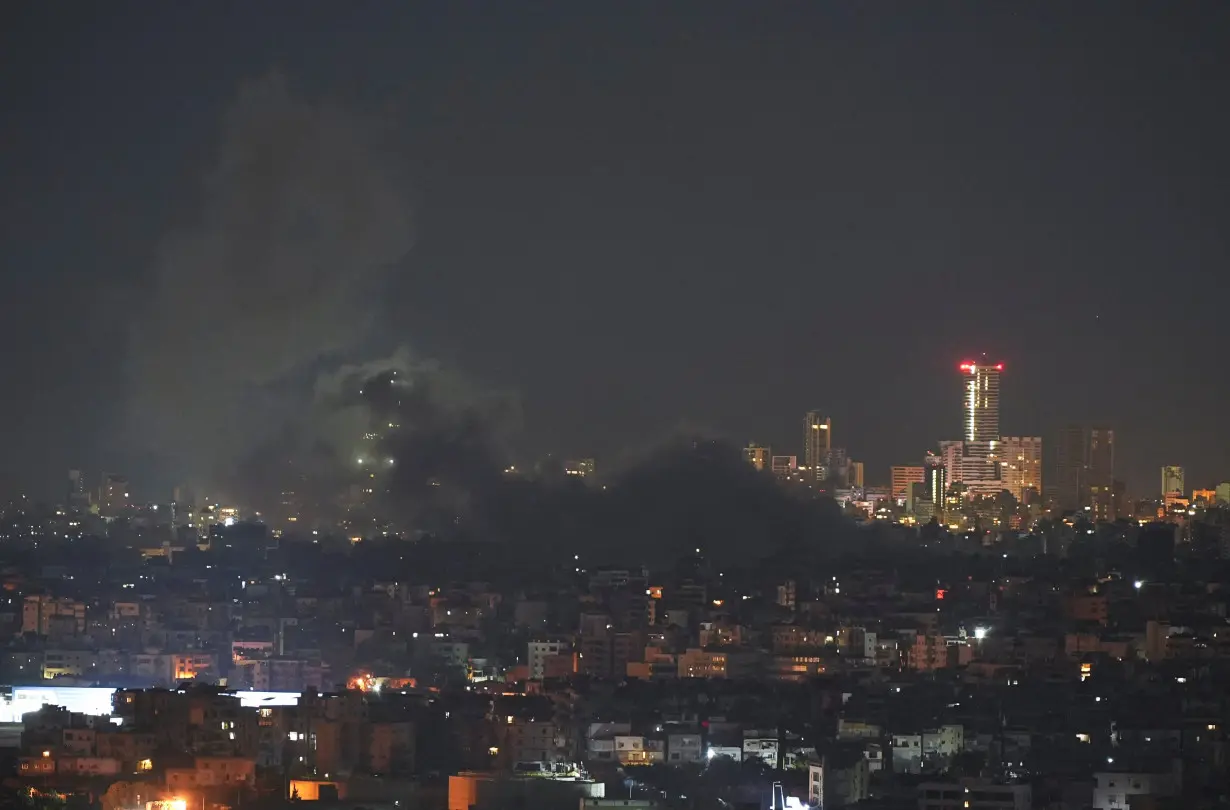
[638,215]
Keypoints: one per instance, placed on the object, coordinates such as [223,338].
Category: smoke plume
[300,222]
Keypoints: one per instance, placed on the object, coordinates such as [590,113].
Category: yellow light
[177,804]
[46,753]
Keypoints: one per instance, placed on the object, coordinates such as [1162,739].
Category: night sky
[645,215]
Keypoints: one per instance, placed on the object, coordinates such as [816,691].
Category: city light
[980,633]
[177,804]
[1138,584]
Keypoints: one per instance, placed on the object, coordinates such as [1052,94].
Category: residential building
[901,478]
[1021,466]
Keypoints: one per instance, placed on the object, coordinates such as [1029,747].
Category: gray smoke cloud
[302,218]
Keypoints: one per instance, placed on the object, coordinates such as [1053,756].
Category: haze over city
[626,220]
[593,405]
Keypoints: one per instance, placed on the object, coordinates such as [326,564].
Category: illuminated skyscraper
[936,479]
[757,455]
[817,444]
[980,426]
[1021,465]
[1172,481]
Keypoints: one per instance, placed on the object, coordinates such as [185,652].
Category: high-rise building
[901,478]
[935,476]
[980,427]
[75,498]
[1021,466]
[758,456]
[1081,472]
[1172,481]
[817,444]
[113,495]
[1100,475]
[952,453]
[1065,475]
[834,471]
[856,475]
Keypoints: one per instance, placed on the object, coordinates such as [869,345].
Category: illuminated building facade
[936,480]
[902,478]
[758,456]
[1021,466]
[980,426]
[1172,481]
[953,453]
[817,444]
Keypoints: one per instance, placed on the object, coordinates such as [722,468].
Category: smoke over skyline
[300,224]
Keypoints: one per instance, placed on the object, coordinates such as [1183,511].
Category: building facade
[1021,465]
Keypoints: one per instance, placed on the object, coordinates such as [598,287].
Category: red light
[940,593]
[967,366]
[999,367]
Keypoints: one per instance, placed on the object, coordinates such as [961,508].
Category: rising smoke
[301,221]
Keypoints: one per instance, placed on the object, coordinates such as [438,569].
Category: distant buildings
[784,466]
[580,467]
[1172,481]
[901,479]
[1081,472]
[75,498]
[113,498]
[817,444]
[758,456]
[1021,465]
[980,427]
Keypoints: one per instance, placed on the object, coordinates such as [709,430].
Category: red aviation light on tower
[968,366]
[999,366]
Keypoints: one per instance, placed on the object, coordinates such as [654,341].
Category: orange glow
[940,593]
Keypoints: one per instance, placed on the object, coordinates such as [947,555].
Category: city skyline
[600,278]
